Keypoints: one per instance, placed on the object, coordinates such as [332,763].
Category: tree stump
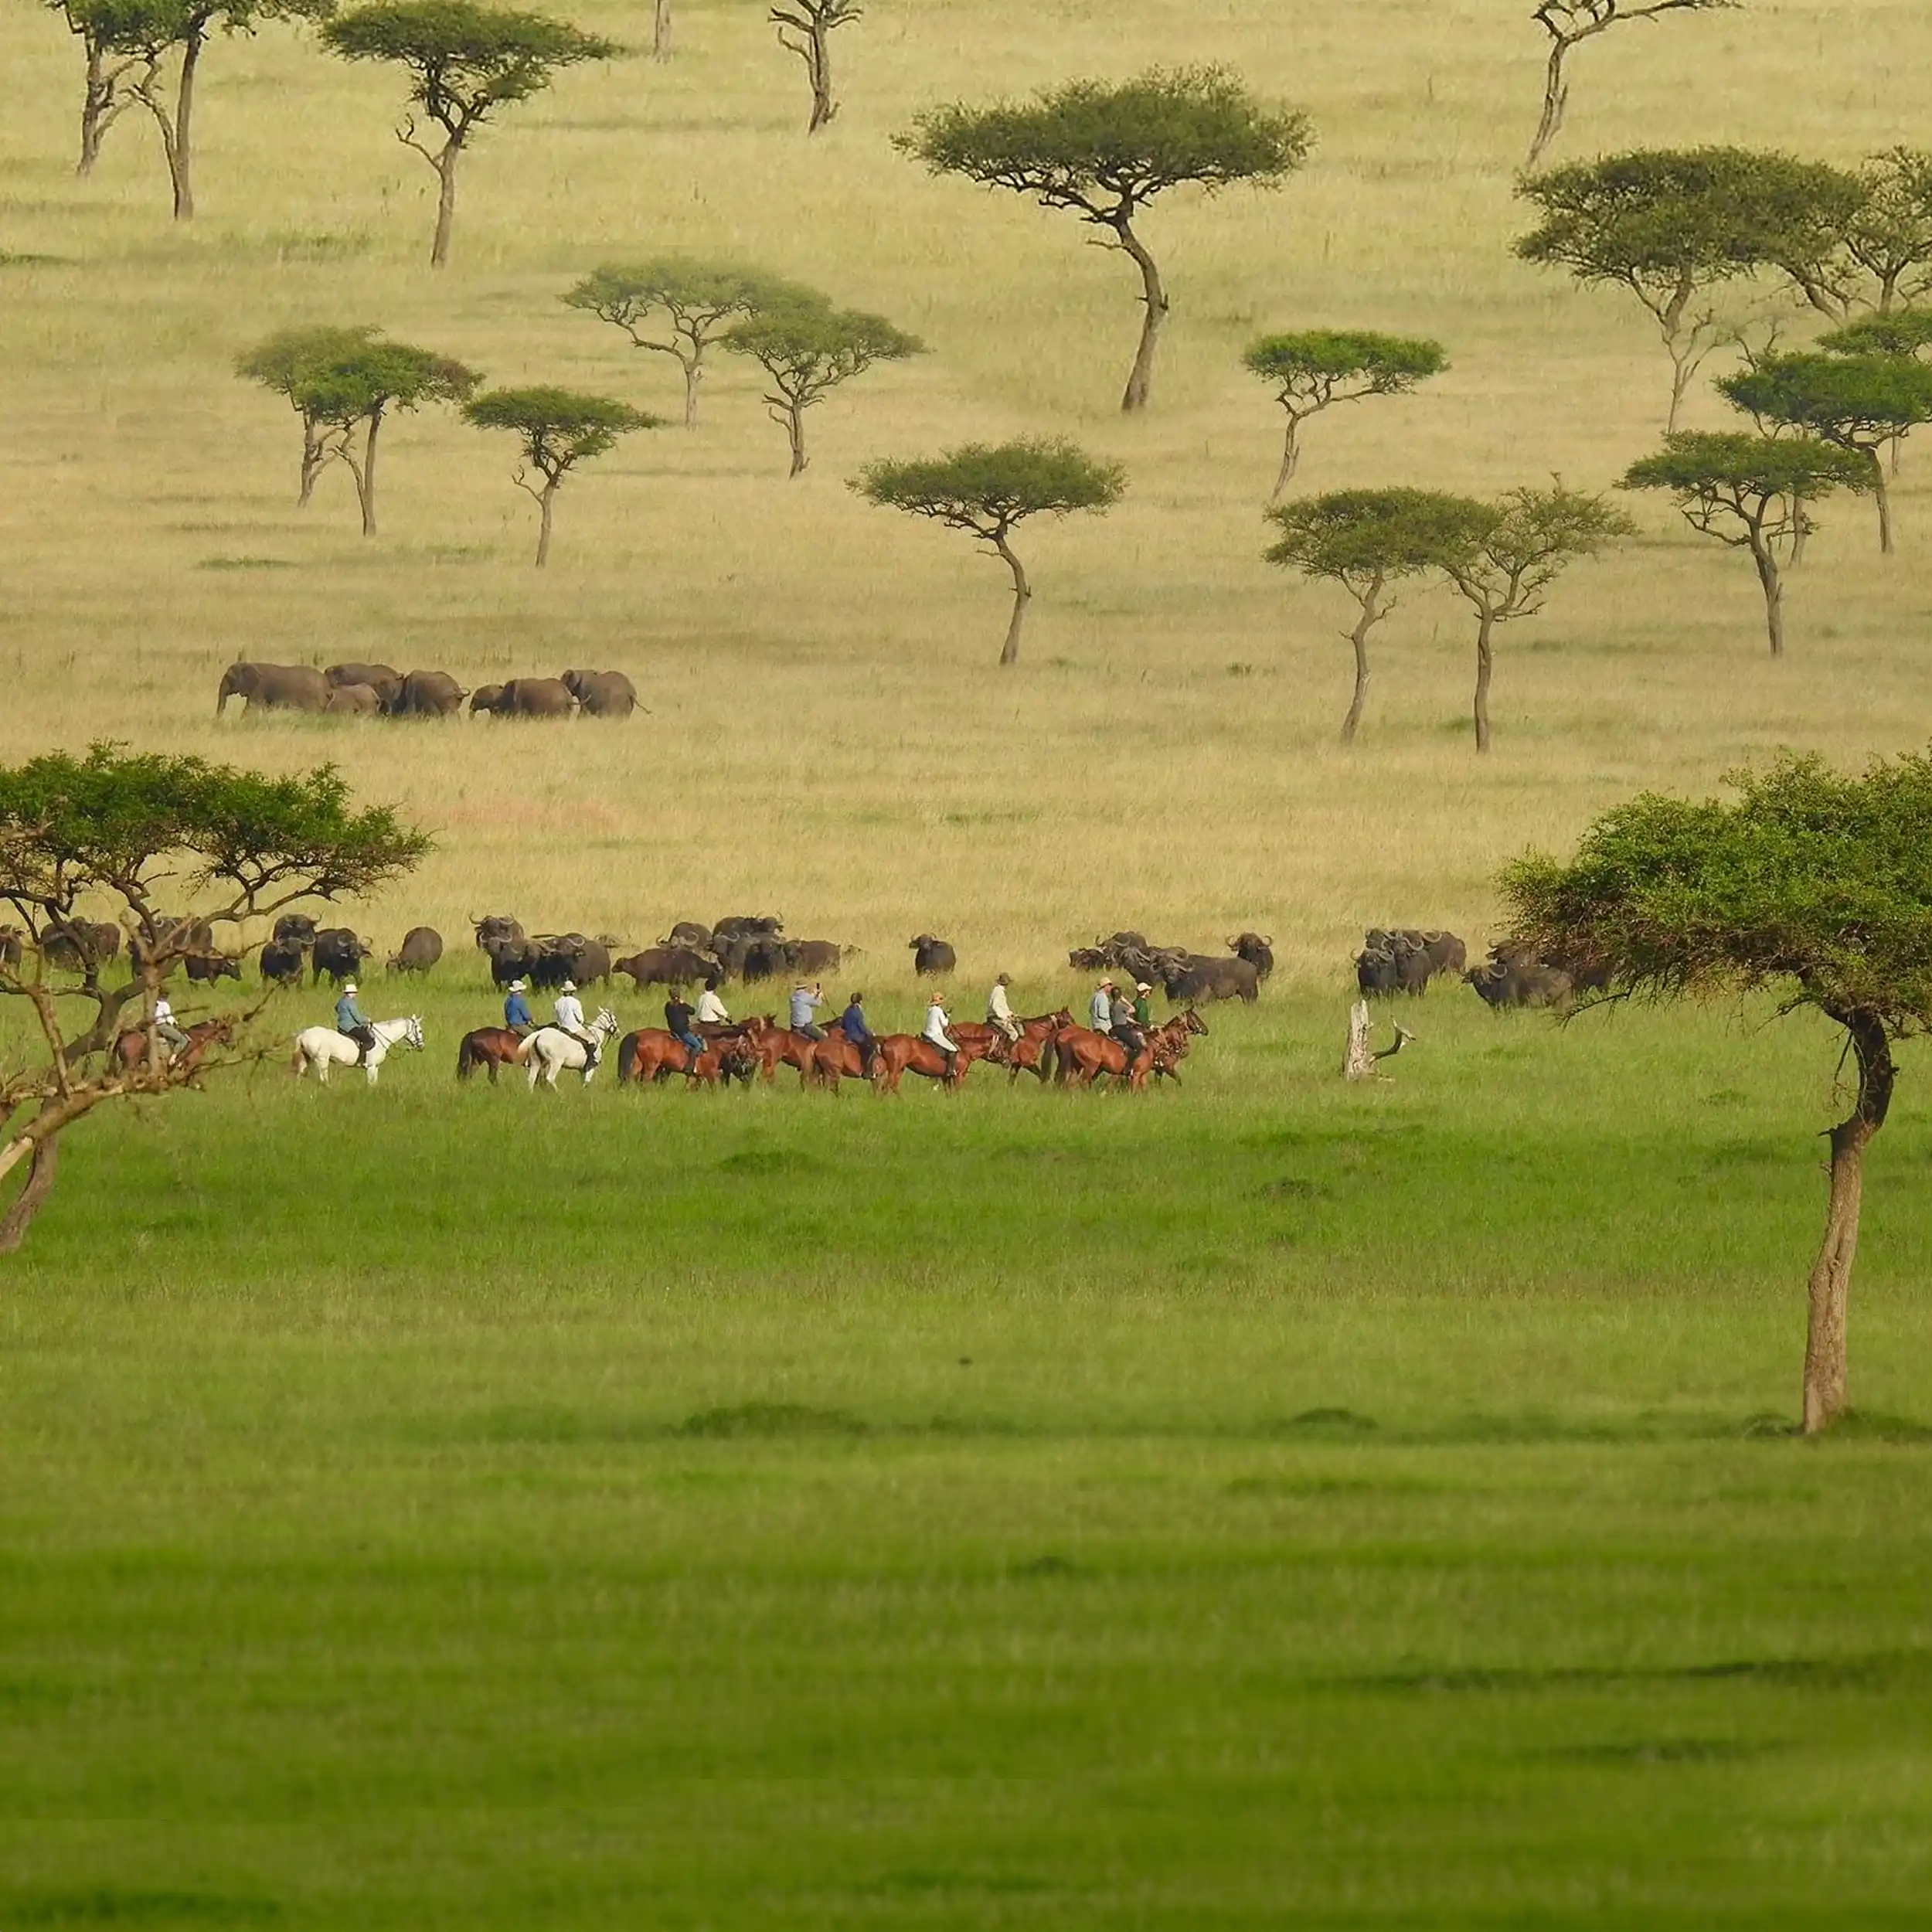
[1360,1062]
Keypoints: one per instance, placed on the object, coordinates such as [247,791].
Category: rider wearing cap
[569,1017]
[517,1015]
[936,1035]
[353,1024]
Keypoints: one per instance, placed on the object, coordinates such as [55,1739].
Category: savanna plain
[1270,1502]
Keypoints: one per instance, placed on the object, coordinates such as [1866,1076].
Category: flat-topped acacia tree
[677,306]
[344,394]
[1869,247]
[1568,24]
[1750,491]
[987,489]
[807,348]
[1675,225]
[463,62]
[557,429]
[1809,884]
[135,831]
[281,363]
[1859,403]
[1364,540]
[1106,151]
[805,27]
[1315,369]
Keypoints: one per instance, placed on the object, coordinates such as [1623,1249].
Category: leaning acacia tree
[281,364]
[112,66]
[679,306]
[463,62]
[1751,492]
[1865,244]
[128,834]
[1505,557]
[1568,24]
[1859,403]
[1313,370]
[986,489]
[1106,152]
[1809,885]
[807,348]
[805,27]
[1675,225]
[1364,540]
[557,429]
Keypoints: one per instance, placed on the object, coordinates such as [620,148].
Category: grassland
[1271,1504]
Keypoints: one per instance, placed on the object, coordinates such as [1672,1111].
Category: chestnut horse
[1026,1055]
[769,1046]
[130,1048]
[899,1054]
[491,1046]
[834,1059]
[651,1053]
[1084,1055]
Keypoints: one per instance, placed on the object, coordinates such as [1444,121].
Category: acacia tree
[986,489]
[805,27]
[463,62]
[698,301]
[1363,540]
[1673,226]
[134,831]
[1859,403]
[1106,152]
[1313,371]
[107,92]
[1751,492]
[1504,558]
[1866,243]
[281,363]
[1808,883]
[557,429]
[807,348]
[1568,24]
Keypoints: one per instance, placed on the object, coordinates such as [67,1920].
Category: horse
[769,1046]
[488,1046]
[898,1054]
[651,1053]
[131,1048]
[1026,1055]
[549,1051]
[319,1048]
[1169,1040]
[834,1059]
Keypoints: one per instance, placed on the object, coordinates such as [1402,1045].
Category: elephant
[427,694]
[275,687]
[603,694]
[355,701]
[486,697]
[529,697]
[383,679]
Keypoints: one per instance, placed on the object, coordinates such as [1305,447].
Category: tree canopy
[1751,492]
[465,61]
[1808,883]
[1898,332]
[987,488]
[557,429]
[1104,150]
[281,363]
[806,347]
[1318,368]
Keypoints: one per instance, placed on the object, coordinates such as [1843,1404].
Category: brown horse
[1084,1055]
[1026,1055]
[771,1045]
[652,1054]
[130,1048]
[488,1046]
[834,1059]
[899,1054]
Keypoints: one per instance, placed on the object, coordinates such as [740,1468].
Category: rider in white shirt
[935,1034]
[169,1034]
[568,1015]
[999,1011]
[711,1008]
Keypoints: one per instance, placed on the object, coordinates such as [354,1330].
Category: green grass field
[1269,1504]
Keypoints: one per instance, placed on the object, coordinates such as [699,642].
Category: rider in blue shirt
[852,1023]
[517,1015]
[352,1024]
[806,1001]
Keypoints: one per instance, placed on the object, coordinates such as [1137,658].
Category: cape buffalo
[422,947]
[665,966]
[1203,976]
[813,956]
[296,926]
[82,944]
[499,926]
[281,963]
[1257,950]
[932,958]
[204,968]
[338,952]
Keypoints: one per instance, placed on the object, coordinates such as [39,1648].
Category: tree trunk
[93,103]
[1358,639]
[823,105]
[693,375]
[1824,1350]
[1555,99]
[1486,662]
[1683,367]
[28,1203]
[1358,1063]
[314,461]
[1022,597]
[1881,490]
[545,497]
[366,476]
[1290,459]
[661,31]
[1141,380]
[1800,532]
[181,152]
[1773,586]
[445,204]
[795,429]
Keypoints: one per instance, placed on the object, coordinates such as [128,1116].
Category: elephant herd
[380,691]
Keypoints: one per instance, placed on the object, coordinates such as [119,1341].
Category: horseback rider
[1100,1009]
[936,1035]
[170,1035]
[568,1015]
[677,1023]
[517,1015]
[805,1002]
[353,1023]
[711,1008]
[852,1023]
[1143,1005]
[1121,1024]
[999,1008]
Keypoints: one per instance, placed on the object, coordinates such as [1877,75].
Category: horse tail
[465,1059]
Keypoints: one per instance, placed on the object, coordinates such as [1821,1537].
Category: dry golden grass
[830,736]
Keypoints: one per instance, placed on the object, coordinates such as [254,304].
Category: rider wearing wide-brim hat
[517,1015]
[353,1023]
[569,1017]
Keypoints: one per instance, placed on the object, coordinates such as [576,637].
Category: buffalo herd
[1183,975]
[381,691]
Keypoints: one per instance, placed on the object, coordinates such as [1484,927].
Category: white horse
[319,1048]
[549,1051]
